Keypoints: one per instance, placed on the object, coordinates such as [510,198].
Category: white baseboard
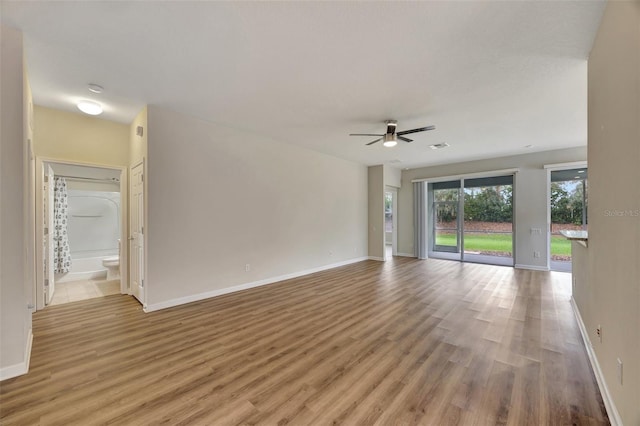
[20,368]
[219,292]
[612,411]
[406,254]
[379,259]
[531,267]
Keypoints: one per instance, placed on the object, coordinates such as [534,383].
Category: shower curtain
[61,251]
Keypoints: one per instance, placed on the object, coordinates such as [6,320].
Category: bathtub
[87,268]
[94,232]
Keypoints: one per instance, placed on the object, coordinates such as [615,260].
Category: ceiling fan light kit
[390,138]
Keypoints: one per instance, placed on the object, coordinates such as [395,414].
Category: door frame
[458,252]
[38,291]
[48,264]
[145,251]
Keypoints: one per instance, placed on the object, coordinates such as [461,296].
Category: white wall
[392,176]
[612,295]
[81,185]
[530,197]
[376,212]
[219,198]
[15,270]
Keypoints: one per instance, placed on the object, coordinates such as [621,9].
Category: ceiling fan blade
[377,140]
[421,129]
[402,138]
[364,134]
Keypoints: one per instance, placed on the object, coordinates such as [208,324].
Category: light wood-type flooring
[402,342]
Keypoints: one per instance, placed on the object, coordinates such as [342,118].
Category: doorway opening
[568,201]
[81,229]
[390,222]
[471,220]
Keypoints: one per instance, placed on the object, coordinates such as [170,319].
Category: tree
[559,204]
[446,211]
[489,204]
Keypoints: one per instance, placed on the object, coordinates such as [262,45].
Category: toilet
[112,263]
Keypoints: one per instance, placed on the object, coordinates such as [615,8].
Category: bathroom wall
[94,223]
[94,227]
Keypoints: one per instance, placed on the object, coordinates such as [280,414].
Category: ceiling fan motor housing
[391,126]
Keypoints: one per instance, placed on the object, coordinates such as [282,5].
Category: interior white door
[47,198]
[136,238]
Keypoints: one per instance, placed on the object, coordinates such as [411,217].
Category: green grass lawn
[500,243]
[560,245]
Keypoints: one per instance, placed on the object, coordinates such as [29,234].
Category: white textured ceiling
[491,76]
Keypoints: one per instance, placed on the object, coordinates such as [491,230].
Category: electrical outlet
[247,267]
[536,254]
[599,332]
[619,370]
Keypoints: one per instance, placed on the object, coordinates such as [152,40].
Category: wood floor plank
[402,342]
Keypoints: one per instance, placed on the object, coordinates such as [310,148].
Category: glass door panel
[488,220]
[445,231]
[446,226]
[568,205]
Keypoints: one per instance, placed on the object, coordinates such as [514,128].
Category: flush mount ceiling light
[95,88]
[90,108]
[390,140]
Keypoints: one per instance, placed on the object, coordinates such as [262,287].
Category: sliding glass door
[472,220]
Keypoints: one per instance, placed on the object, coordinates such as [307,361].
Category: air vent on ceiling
[439,145]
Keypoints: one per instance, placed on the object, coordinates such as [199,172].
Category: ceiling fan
[391,137]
